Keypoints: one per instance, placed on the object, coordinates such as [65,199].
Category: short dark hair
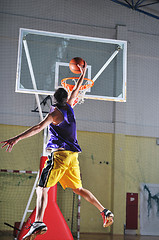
[60,96]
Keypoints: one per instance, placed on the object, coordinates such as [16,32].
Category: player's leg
[38,227]
[41,203]
[107,215]
[88,196]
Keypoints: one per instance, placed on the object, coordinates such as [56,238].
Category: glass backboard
[43,61]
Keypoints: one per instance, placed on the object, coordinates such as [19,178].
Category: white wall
[139,115]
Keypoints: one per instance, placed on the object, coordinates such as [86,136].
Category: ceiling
[147,7]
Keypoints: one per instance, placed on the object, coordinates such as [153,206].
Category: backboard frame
[122,45]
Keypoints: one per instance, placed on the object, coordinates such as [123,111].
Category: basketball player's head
[60,96]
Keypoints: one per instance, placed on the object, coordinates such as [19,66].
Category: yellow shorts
[63,167]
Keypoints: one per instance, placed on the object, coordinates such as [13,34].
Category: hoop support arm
[106,64]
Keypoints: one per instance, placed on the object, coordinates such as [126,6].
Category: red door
[132,211]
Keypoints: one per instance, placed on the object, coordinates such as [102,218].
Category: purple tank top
[64,134]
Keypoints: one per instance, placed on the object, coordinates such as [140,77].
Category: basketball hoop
[69,86]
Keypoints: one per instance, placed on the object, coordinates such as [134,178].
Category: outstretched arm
[53,117]
[75,91]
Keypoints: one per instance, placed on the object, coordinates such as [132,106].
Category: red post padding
[53,218]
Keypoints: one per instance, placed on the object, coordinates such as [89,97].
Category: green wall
[25,155]
[96,163]
[135,161]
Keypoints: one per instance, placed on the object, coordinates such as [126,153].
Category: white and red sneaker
[36,228]
[108,218]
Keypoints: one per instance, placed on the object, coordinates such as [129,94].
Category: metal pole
[32,76]
[29,201]
[105,65]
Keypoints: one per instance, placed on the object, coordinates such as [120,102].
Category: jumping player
[62,164]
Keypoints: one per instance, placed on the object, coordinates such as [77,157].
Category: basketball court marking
[43,60]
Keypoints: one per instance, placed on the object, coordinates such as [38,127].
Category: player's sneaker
[36,228]
[108,217]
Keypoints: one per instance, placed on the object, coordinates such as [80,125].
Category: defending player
[62,164]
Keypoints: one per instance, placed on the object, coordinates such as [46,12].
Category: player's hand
[84,68]
[9,143]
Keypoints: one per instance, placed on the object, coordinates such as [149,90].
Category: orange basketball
[73,65]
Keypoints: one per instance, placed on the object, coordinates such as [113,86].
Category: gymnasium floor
[7,236]
[115,237]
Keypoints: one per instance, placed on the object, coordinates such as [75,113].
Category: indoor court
[113,45]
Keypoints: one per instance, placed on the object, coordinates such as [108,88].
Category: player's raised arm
[75,91]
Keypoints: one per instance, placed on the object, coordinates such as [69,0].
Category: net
[15,192]
[70,83]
